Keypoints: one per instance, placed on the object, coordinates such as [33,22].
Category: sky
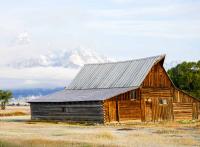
[119,29]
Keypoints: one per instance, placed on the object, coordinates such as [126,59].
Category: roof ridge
[131,60]
[103,88]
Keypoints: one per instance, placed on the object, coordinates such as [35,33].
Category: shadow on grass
[13,120]
[63,122]
[29,121]
[125,129]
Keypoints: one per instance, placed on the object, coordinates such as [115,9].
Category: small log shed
[116,92]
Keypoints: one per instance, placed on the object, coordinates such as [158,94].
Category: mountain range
[62,58]
[21,96]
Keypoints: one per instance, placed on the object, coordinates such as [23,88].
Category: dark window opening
[63,109]
[163,101]
[133,95]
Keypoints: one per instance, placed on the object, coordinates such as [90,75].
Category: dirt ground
[19,131]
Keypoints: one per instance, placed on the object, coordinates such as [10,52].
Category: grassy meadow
[19,131]
[15,111]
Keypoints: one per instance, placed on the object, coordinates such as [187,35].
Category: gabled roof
[82,95]
[97,82]
[115,74]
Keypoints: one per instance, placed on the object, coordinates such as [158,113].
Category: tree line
[186,76]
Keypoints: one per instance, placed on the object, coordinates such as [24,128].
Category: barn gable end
[158,87]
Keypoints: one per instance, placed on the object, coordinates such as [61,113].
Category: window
[133,95]
[63,109]
[163,101]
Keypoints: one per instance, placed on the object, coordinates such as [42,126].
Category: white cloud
[60,58]
[53,69]
[23,38]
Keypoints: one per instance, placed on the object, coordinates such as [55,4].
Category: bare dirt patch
[20,131]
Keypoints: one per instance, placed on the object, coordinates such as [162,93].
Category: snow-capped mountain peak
[64,58]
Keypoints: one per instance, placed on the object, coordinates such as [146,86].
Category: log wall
[155,87]
[182,97]
[75,112]
[110,112]
[198,109]
[185,106]
[158,85]
[129,110]
[183,111]
[122,108]
[157,77]
[152,109]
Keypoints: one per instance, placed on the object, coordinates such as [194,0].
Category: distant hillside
[21,96]
[21,93]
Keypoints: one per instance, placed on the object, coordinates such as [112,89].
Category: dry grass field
[19,131]
[15,111]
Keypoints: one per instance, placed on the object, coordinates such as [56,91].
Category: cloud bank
[55,69]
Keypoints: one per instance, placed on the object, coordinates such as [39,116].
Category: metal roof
[82,95]
[115,74]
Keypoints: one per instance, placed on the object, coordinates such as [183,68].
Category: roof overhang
[82,95]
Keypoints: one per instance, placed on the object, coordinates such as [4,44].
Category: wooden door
[112,111]
[148,110]
[129,110]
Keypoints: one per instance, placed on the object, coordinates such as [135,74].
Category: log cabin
[138,90]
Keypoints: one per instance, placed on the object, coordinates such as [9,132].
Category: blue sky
[120,29]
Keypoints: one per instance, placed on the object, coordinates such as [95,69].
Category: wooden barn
[116,92]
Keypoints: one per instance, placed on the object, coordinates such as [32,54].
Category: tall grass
[59,134]
[43,143]
[7,144]
[17,113]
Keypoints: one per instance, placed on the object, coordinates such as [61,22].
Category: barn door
[148,110]
[112,111]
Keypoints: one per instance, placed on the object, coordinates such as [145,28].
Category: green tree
[5,96]
[186,76]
